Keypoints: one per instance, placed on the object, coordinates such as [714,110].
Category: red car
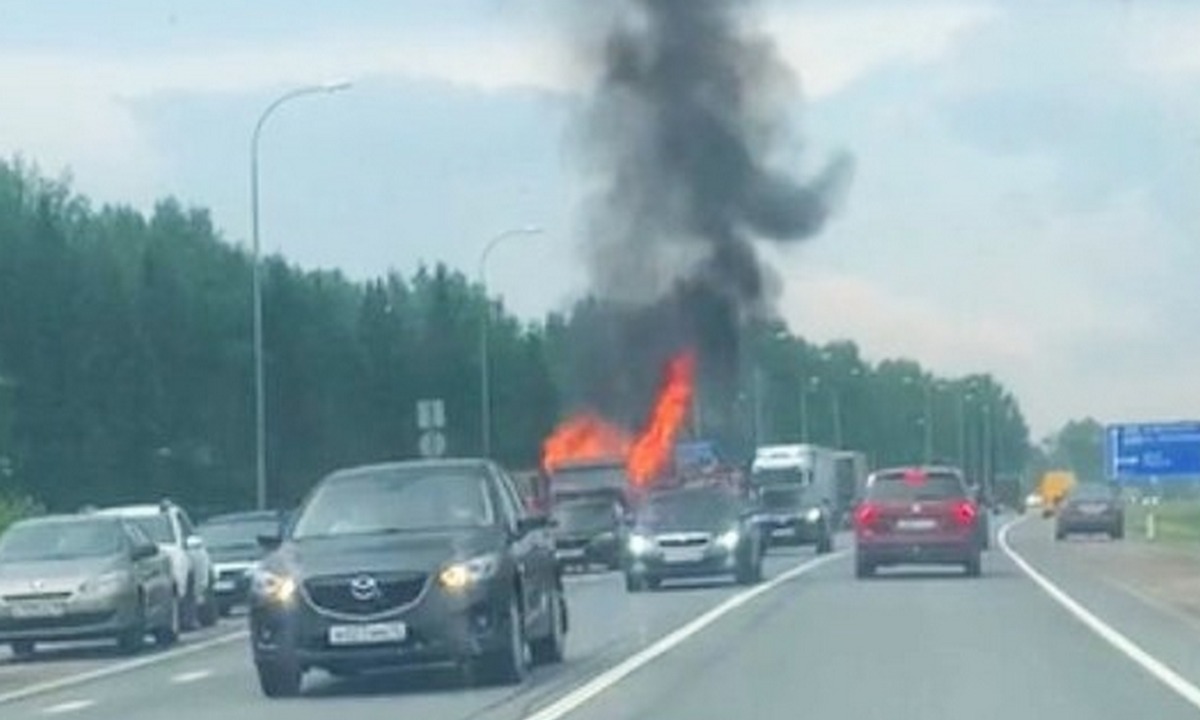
[922,516]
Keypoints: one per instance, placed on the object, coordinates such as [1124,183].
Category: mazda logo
[364,588]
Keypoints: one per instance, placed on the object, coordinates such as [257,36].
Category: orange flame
[651,452]
[582,438]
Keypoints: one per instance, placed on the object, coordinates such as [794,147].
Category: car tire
[168,634]
[280,678]
[863,568]
[613,564]
[133,638]
[634,583]
[974,566]
[508,665]
[23,649]
[224,609]
[208,612]
[1118,533]
[551,649]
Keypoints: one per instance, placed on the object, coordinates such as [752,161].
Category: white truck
[795,487]
[191,567]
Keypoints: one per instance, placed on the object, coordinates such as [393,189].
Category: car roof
[146,510]
[927,469]
[430,464]
[65,519]
[244,516]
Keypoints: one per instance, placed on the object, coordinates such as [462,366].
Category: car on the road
[232,543]
[169,525]
[917,515]
[692,532]
[587,531]
[414,563]
[70,577]
[1091,508]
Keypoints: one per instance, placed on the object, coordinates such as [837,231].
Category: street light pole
[485,371]
[260,395]
[928,421]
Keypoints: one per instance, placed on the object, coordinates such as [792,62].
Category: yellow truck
[1053,488]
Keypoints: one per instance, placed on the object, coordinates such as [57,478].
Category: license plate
[368,634]
[784,532]
[224,585]
[38,610]
[1092,509]
[916,524]
[571,553]
[683,555]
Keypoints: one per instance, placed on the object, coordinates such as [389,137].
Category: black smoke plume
[686,133]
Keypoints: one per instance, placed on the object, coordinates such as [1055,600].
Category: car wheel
[614,563]
[974,566]
[634,583]
[653,583]
[280,678]
[825,542]
[863,568]
[550,649]
[224,609]
[168,634]
[509,665]
[132,639]
[209,612]
[23,649]
[188,611]
[1118,533]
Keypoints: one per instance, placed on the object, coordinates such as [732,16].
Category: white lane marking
[607,679]
[66,707]
[189,677]
[1158,669]
[119,668]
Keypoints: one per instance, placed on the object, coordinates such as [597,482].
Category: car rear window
[912,485]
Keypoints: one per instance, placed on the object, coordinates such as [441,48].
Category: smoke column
[684,132]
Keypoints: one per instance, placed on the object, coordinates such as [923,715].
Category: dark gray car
[80,577]
[419,563]
[1091,508]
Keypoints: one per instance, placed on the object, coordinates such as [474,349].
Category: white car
[191,567]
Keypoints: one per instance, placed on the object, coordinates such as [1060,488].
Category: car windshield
[396,500]
[157,527]
[587,478]
[908,486]
[585,515]
[59,540]
[685,510]
[224,534]
[780,476]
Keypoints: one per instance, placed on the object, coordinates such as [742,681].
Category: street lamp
[260,401]
[485,372]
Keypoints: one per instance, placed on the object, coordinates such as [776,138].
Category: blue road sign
[1153,450]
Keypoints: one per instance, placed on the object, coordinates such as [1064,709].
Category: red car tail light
[865,516]
[965,512]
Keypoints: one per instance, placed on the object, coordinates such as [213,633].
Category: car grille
[689,541]
[22,597]
[233,574]
[336,594]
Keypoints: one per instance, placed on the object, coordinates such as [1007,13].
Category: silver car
[81,577]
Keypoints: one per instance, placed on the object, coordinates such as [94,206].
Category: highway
[811,641]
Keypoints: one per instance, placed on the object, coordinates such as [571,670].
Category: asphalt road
[811,642]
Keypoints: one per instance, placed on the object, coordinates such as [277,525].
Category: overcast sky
[1025,202]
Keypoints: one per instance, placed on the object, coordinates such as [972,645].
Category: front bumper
[715,561]
[441,628]
[232,583]
[80,619]
[795,527]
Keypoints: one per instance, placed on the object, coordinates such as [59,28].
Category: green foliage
[1079,447]
[126,367]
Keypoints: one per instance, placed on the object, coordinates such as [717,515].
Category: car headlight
[109,583]
[640,544]
[729,539]
[461,575]
[813,515]
[273,587]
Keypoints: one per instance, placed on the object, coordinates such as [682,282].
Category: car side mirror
[193,542]
[142,552]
